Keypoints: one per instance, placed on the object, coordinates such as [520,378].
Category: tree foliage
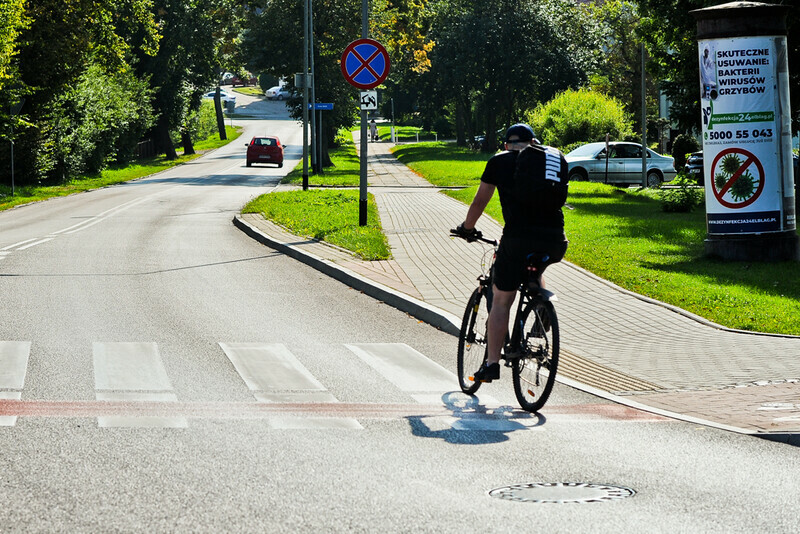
[579,117]
[497,59]
[619,73]
[670,30]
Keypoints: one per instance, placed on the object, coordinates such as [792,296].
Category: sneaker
[487,373]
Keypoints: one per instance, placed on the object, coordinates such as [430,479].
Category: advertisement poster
[742,135]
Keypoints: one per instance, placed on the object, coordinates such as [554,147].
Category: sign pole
[644,123]
[362,197]
[305,95]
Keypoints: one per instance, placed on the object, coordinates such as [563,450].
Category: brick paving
[625,346]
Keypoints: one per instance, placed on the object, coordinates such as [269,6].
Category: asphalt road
[162,372]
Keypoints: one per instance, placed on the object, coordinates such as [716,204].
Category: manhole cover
[562,492]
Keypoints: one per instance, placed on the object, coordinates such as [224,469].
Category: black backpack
[541,178]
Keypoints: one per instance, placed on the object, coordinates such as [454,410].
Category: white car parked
[277,93]
[623,165]
[224,96]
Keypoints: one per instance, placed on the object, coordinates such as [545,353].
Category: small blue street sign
[319,105]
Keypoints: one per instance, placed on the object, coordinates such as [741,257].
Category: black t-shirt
[520,220]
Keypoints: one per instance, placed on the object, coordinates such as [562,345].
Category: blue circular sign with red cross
[365,63]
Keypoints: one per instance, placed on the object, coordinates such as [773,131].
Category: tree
[187,62]
[403,27]
[58,46]
[620,73]
[501,58]
[12,22]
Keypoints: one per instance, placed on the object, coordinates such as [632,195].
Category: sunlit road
[162,372]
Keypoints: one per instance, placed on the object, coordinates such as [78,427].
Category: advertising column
[744,91]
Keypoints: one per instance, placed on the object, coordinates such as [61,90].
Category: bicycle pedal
[471,378]
[509,364]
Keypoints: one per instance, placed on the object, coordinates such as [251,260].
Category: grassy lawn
[404,133]
[254,91]
[327,214]
[443,164]
[112,175]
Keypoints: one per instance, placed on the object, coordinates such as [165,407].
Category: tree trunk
[186,141]
[326,157]
[461,137]
[491,126]
[220,118]
[469,124]
[165,142]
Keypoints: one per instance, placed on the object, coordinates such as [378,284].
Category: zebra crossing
[132,375]
[132,389]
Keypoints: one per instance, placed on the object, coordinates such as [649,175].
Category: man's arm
[482,198]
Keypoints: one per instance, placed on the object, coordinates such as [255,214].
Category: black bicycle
[531,349]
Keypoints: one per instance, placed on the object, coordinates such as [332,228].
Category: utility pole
[305,93]
[644,124]
[316,165]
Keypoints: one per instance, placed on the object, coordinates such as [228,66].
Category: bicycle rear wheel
[472,341]
[534,372]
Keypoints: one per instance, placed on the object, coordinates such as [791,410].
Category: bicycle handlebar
[454,233]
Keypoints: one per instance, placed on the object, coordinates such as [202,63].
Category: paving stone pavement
[615,343]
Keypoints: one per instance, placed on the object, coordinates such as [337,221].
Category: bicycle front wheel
[472,341]
[534,371]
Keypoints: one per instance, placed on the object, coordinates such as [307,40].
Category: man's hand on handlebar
[470,235]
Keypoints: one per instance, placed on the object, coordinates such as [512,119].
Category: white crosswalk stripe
[132,372]
[274,374]
[13,367]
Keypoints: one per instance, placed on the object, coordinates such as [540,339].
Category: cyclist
[525,231]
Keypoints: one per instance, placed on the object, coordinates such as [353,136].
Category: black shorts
[510,267]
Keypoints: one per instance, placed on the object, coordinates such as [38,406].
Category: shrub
[580,116]
[682,145]
[681,199]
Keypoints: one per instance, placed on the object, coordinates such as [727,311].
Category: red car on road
[265,150]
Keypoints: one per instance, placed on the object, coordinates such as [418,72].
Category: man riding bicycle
[527,230]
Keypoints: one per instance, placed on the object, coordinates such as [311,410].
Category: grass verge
[254,91]
[344,173]
[112,175]
[329,215]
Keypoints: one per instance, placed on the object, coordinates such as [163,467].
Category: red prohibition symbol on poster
[736,172]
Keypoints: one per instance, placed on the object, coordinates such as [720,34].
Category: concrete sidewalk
[614,343]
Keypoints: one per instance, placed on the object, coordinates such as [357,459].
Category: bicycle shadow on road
[473,423]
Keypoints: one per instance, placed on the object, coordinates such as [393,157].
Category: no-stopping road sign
[365,63]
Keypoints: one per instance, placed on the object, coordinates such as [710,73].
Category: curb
[425,312]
